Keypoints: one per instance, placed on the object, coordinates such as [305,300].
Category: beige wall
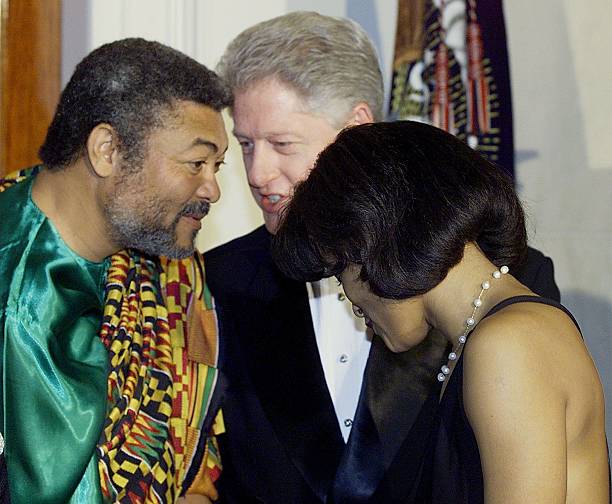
[561,75]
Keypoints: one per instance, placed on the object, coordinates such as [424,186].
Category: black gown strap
[531,299]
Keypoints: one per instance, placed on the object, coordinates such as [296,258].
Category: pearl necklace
[470,323]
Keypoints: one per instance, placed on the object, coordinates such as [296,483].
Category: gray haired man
[316,410]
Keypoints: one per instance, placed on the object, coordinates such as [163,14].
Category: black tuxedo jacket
[283,444]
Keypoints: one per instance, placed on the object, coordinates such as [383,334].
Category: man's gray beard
[129,231]
[141,230]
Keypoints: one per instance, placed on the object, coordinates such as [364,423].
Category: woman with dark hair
[424,234]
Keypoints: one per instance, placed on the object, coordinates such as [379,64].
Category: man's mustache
[197,208]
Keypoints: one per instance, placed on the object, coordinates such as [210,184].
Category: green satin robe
[54,366]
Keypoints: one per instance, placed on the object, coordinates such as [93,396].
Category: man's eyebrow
[207,143]
[267,134]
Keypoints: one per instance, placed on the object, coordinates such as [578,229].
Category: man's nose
[261,166]
[209,188]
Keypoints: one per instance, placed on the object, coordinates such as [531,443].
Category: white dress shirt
[343,347]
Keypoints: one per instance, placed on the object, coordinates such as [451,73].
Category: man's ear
[361,114]
[102,150]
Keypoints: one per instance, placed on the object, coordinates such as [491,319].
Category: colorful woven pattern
[18,176]
[159,395]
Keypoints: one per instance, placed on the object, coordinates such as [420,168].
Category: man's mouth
[195,212]
[271,202]
[196,216]
[194,221]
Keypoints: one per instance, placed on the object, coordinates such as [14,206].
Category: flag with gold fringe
[451,70]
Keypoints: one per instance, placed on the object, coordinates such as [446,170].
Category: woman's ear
[102,150]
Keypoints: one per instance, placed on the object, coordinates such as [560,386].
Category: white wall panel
[560,83]
[590,43]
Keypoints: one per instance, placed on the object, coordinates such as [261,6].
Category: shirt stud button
[343,358]
[341,296]
[348,422]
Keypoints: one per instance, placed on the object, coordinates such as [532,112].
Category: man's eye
[218,165]
[246,146]
[358,311]
[283,146]
[196,166]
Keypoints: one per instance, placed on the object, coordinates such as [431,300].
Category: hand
[194,499]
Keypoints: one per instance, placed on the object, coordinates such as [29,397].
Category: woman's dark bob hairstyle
[400,199]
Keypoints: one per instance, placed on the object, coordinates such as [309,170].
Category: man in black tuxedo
[303,373]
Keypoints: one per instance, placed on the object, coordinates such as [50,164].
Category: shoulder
[20,223]
[12,199]
[519,369]
[527,354]
[256,241]
[537,273]
[521,334]
[502,347]
[231,265]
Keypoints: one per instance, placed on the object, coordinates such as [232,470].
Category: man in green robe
[108,347]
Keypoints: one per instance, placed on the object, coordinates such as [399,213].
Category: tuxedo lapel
[395,389]
[286,371]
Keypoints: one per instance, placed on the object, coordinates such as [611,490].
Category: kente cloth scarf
[160,329]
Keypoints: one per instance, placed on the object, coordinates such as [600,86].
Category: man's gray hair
[329,61]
